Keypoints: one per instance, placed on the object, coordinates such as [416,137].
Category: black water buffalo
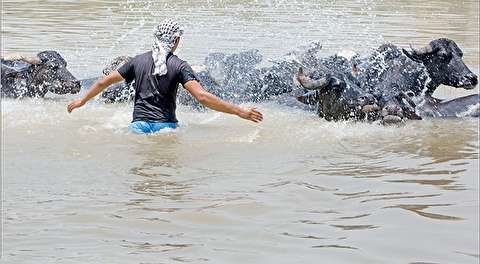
[419,71]
[405,78]
[399,80]
[337,96]
[234,77]
[34,77]
[116,93]
[119,92]
[465,106]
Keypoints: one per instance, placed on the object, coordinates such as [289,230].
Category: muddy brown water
[294,189]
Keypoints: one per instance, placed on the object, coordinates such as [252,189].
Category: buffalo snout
[460,76]
[472,79]
[74,86]
[63,82]
[392,114]
[367,99]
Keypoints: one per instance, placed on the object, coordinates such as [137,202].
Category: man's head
[166,37]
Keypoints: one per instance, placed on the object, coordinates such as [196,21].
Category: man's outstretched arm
[211,101]
[97,88]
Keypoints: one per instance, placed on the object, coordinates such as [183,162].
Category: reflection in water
[334,246]
[400,197]
[303,236]
[355,227]
[353,217]
[441,183]
[431,137]
[145,247]
[160,169]
[469,254]
[418,209]
[388,196]
[311,222]
[366,194]
[304,184]
[162,188]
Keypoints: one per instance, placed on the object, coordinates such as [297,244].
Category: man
[157,74]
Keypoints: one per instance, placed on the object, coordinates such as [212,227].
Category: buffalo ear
[309,98]
[51,56]
[412,55]
[309,83]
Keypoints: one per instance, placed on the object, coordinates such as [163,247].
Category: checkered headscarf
[164,36]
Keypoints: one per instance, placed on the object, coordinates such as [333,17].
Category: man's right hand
[251,114]
[75,104]
[211,101]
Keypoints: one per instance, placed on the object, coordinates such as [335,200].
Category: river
[80,188]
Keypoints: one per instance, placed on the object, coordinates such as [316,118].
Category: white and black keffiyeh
[164,36]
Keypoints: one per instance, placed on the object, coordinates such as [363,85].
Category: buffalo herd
[389,85]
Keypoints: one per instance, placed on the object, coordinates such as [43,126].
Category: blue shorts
[143,127]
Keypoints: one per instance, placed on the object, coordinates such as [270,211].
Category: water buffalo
[119,92]
[465,106]
[234,77]
[34,77]
[419,71]
[337,96]
[442,59]
[409,77]
[400,80]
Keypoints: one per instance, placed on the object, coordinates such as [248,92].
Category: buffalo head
[51,73]
[443,60]
[336,98]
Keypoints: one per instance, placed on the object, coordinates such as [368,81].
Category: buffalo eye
[446,56]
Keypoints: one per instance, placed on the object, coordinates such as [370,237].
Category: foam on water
[281,124]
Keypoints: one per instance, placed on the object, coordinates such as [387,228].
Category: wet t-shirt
[155,96]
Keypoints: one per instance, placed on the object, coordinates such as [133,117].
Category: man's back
[155,96]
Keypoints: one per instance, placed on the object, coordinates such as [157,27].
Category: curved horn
[310,84]
[16,56]
[422,51]
[32,60]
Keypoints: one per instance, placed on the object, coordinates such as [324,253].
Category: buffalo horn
[422,51]
[310,84]
[16,56]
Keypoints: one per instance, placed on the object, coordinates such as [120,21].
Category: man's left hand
[251,114]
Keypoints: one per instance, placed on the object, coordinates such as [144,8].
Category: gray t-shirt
[155,97]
